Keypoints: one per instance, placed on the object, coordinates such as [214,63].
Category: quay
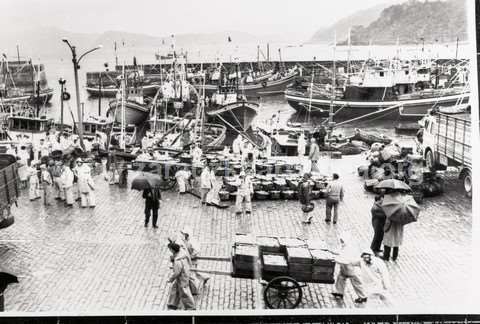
[105,260]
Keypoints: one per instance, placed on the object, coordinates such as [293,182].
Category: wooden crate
[268,244]
[274,263]
[322,258]
[245,253]
[299,255]
[299,267]
[290,242]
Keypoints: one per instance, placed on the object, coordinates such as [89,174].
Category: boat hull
[44,98]
[407,109]
[135,114]
[148,90]
[261,89]
[237,115]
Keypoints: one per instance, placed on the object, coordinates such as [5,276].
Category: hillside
[360,18]
[414,22]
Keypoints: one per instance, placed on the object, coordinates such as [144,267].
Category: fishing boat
[389,89]
[112,90]
[22,81]
[129,106]
[232,109]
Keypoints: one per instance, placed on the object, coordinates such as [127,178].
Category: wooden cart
[280,291]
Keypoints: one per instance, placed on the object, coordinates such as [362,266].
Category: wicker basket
[261,195]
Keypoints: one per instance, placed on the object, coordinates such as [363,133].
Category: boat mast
[348,53]
[311,95]
[18,52]
[122,127]
[330,113]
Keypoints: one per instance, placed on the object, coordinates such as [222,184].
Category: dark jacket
[152,198]
[304,192]
[378,216]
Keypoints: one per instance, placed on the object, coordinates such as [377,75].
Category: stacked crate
[274,263]
[323,266]
[299,263]
[245,257]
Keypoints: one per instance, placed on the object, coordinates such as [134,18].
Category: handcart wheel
[282,292]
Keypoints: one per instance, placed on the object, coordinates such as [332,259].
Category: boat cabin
[29,124]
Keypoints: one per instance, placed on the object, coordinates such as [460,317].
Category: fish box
[274,263]
[299,255]
[290,242]
[268,244]
[316,244]
[299,267]
[245,253]
[320,278]
[244,239]
[323,270]
[336,155]
[322,258]
[302,276]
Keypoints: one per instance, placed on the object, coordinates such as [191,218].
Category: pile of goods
[302,260]
[394,162]
[274,187]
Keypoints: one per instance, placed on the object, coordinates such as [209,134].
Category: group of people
[334,192]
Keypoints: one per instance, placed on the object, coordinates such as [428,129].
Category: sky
[164,17]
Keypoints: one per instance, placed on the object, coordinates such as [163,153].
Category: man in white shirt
[237,145]
[244,192]
[374,275]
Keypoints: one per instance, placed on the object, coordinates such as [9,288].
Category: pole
[18,53]
[330,113]
[268,52]
[62,83]
[100,95]
[77,92]
[456,51]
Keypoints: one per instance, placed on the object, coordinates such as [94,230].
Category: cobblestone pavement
[104,259]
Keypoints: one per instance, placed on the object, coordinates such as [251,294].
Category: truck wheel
[430,160]
[467,183]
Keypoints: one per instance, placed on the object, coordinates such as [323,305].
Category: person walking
[237,145]
[152,204]
[334,196]
[374,274]
[349,263]
[56,170]
[244,194]
[67,179]
[47,184]
[304,196]
[392,238]
[314,155]
[180,292]
[378,223]
[33,181]
[205,183]
[86,186]
[193,249]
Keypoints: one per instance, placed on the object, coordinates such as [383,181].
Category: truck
[446,142]
[9,185]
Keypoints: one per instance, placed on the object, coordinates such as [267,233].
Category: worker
[47,184]
[182,176]
[205,183]
[193,249]
[86,186]
[33,182]
[237,145]
[180,293]
[374,274]
[302,143]
[268,146]
[23,160]
[244,192]
[349,270]
[314,155]
[67,185]
[42,149]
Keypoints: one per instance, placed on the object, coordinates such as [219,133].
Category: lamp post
[62,84]
[76,66]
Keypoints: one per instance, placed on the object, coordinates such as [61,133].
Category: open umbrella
[146,181]
[6,279]
[401,209]
[393,184]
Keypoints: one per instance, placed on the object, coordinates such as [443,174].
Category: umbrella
[146,181]
[6,279]
[393,184]
[401,209]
